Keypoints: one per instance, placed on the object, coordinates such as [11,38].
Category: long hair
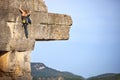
[26,11]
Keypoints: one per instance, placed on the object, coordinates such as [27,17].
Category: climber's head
[26,11]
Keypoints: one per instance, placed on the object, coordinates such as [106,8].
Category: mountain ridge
[106,76]
[40,71]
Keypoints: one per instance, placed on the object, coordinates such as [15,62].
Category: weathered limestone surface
[15,48]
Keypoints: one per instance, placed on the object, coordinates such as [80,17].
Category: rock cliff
[15,48]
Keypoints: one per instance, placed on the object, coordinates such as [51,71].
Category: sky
[94,44]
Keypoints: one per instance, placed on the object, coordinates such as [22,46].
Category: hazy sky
[94,44]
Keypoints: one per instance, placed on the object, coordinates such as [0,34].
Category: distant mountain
[40,71]
[108,76]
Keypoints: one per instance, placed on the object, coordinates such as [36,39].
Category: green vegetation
[110,76]
[42,72]
[51,73]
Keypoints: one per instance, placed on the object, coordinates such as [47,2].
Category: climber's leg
[25,30]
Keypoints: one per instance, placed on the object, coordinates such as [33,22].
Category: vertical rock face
[15,65]
[15,48]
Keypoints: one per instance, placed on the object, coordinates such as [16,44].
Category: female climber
[25,14]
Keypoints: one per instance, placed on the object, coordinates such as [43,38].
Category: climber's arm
[29,13]
[21,10]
